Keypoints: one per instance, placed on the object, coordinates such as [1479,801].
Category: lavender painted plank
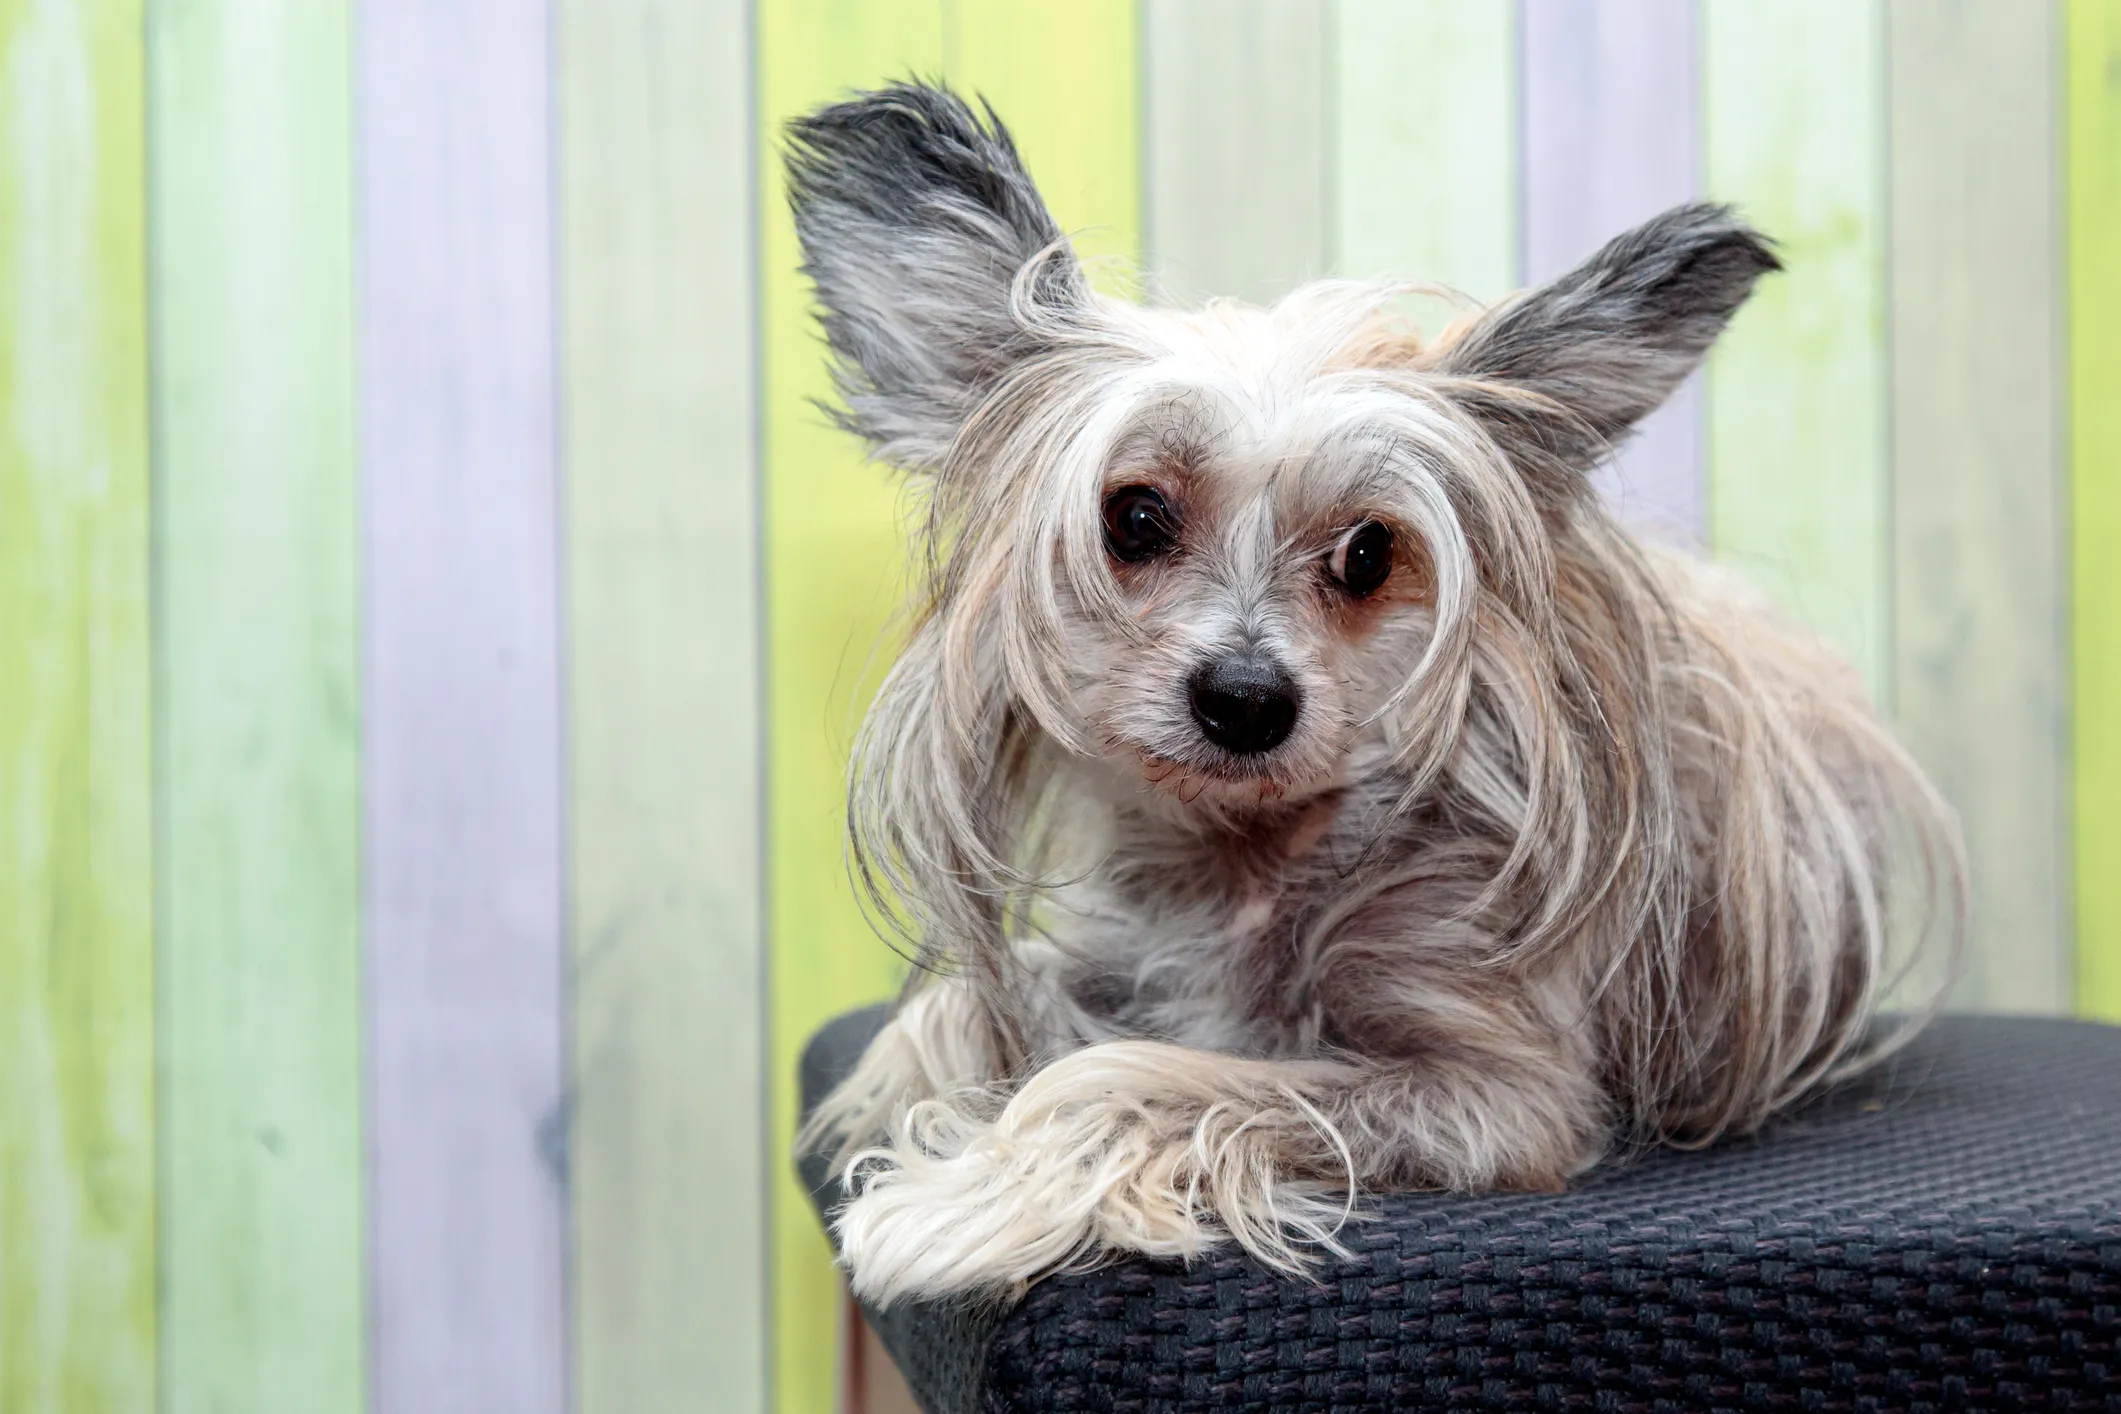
[1612,136]
[462,771]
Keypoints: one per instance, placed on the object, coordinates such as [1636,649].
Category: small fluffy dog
[1295,782]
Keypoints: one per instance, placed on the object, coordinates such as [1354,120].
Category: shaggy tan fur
[1573,843]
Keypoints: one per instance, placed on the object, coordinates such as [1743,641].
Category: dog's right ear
[915,219]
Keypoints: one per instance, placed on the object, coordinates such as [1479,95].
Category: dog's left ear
[1561,373]
[916,218]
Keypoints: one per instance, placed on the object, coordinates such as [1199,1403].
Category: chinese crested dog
[1295,781]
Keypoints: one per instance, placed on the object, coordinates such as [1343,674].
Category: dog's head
[1213,549]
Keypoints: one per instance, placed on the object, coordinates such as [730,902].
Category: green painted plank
[258,678]
[1428,163]
[1978,670]
[832,574]
[2094,204]
[1236,146]
[77,1123]
[667,1178]
[834,553]
[1794,131]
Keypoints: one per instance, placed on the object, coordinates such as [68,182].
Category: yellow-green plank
[1794,132]
[667,1170]
[258,679]
[2094,167]
[833,558]
[1064,79]
[1428,163]
[77,1140]
[1237,146]
[1979,571]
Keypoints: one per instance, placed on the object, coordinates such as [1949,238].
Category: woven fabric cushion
[1944,1234]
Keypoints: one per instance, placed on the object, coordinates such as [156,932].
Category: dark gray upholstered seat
[1943,1235]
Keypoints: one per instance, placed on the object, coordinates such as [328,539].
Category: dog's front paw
[949,1226]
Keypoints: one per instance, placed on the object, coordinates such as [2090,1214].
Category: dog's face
[1221,550]
[1262,516]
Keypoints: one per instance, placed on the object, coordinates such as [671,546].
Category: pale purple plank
[1612,135]
[463,772]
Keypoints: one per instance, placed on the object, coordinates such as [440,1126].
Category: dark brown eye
[1363,558]
[1138,524]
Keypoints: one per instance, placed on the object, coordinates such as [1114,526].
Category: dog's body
[1295,780]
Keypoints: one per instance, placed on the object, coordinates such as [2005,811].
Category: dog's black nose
[1245,703]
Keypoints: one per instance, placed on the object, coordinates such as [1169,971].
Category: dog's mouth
[1246,781]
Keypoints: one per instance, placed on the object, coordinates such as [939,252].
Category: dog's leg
[1139,1146]
[929,1047]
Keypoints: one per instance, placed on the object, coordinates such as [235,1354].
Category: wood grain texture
[1236,164]
[833,556]
[1427,157]
[1064,80]
[258,684]
[77,1124]
[1612,136]
[462,767]
[2094,235]
[1978,535]
[1794,132]
[669,1161]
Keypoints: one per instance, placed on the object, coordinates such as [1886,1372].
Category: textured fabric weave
[1945,1234]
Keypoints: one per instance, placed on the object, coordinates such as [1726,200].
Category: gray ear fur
[915,218]
[1603,345]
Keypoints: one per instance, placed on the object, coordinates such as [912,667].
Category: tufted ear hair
[916,218]
[1561,373]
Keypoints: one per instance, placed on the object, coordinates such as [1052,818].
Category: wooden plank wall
[513,610]
[1978,554]
[1612,136]
[1235,162]
[462,773]
[1794,132]
[1425,154]
[668,1186]
[2093,145]
[77,1091]
[258,691]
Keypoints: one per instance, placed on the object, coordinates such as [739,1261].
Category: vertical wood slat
[1612,136]
[832,574]
[462,768]
[1236,157]
[77,1124]
[1064,79]
[2093,144]
[257,536]
[1978,493]
[670,1157]
[1426,157]
[1793,131]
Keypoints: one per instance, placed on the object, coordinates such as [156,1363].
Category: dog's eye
[1138,524]
[1363,558]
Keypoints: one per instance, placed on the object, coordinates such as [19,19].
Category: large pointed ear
[1561,373]
[916,218]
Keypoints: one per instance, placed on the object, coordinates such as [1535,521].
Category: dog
[1295,783]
